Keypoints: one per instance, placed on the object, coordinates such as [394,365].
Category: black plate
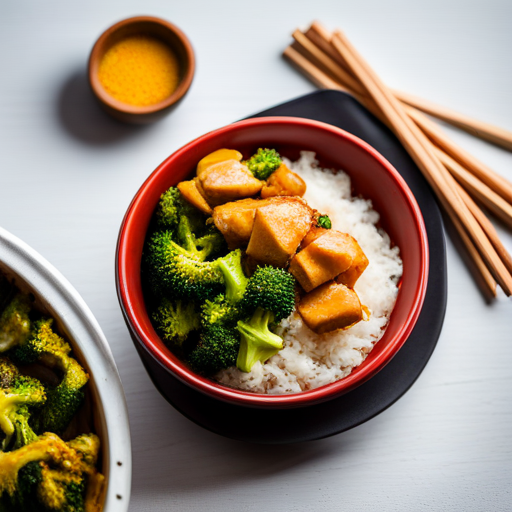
[385,388]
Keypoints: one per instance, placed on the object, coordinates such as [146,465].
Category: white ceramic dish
[74,319]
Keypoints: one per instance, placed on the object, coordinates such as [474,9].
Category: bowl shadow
[215,461]
[188,460]
[83,118]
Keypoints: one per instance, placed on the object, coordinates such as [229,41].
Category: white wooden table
[68,173]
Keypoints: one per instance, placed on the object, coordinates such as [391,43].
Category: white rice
[310,360]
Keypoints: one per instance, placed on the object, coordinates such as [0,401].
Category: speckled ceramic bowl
[55,296]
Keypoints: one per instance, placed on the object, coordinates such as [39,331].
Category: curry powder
[139,70]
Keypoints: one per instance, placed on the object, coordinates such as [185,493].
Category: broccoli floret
[61,490]
[48,348]
[219,343]
[234,277]
[50,474]
[269,297]
[219,311]
[217,349]
[272,289]
[264,163]
[8,372]
[168,211]
[176,273]
[174,320]
[25,497]
[173,208]
[257,342]
[324,222]
[201,248]
[29,478]
[17,400]
[14,322]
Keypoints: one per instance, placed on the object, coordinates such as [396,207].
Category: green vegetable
[221,311]
[217,349]
[171,210]
[257,342]
[324,222]
[19,396]
[234,277]
[264,163]
[219,342]
[174,320]
[235,311]
[179,274]
[271,289]
[48,348]
[50,475]
[199,248]
[168,211]
[269,297]
[8,372]
[39,472]
[14,322]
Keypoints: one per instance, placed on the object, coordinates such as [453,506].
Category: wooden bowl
[151,26]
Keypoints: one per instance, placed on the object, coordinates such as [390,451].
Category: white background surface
[68,173]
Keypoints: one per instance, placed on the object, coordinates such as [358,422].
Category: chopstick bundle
[331,62]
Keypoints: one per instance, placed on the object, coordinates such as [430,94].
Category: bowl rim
[126,108]
[244,398]
[76,317]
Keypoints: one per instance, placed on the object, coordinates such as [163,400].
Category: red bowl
[372,176]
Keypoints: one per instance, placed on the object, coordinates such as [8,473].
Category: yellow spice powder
[139,70]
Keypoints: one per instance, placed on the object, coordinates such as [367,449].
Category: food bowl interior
[91,416]
[372,177]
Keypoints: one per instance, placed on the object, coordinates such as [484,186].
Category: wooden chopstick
[325,59]
[487,226]
[495,203]
[321,37]
[324,81]
[480,190]
[493,180]
[486,131]
[308,58]
[318,77]
[415,142]
[487,282]
[327,62]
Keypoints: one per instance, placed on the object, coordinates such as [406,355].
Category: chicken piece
[324,259]
[228,181]
[221,155]
[236,219]
[329,307]
[284,182]
[278,230]
[191,193]
[353,273]
[314,233]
